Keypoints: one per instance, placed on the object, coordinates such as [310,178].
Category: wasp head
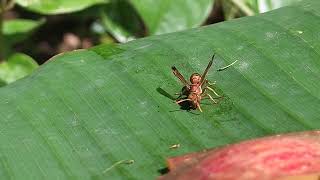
[195,78]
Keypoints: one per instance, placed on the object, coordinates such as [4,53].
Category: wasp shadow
[165,93]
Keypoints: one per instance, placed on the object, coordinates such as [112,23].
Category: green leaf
[17,30]
[121,21]
[2,83]
[16,67]
[57,6]
[86,114]
[168,16]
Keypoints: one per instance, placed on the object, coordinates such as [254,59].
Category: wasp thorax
[195,78]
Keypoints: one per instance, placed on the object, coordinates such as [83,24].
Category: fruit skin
[267,158]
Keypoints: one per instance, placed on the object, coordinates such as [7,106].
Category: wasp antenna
[210,63]
[213,57]
[203,77]
[173,68]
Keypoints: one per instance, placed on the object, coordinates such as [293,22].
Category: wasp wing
[180,76]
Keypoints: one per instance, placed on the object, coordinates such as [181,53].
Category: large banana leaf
[84,114]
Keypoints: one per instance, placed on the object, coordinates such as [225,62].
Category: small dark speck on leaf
[163,171]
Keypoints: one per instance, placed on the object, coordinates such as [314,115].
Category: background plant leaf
[19,29]
[17,66]
[83,113]
[121,20]
[168,16]
[57,6]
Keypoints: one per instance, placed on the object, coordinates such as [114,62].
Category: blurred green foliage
[120,20]
[238,8]
[17,66]
[57,6]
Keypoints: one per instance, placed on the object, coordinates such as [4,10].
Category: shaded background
[34,31]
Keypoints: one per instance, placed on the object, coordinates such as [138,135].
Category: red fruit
[265,158]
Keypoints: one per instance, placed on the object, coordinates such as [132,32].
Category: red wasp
[195,90]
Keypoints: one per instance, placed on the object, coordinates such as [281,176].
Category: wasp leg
[182,100]
[210,84]
[214,101]
[207,83]
[198,106]
[210,89]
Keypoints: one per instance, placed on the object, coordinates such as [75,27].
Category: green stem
[243,7]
